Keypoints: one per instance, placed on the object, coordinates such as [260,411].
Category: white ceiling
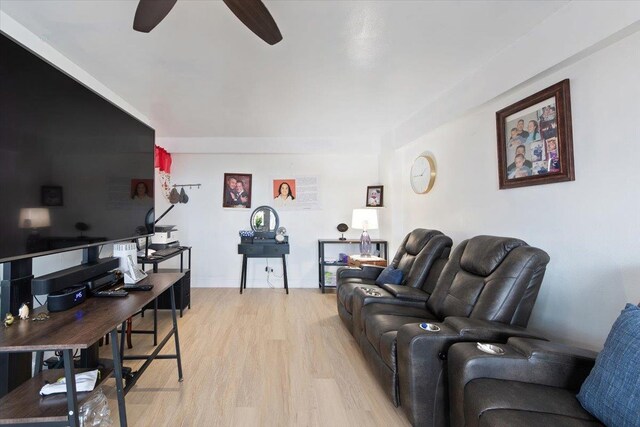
[344,69]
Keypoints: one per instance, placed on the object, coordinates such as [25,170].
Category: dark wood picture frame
[375,196]
[229,200]
[550,157]
[51,195]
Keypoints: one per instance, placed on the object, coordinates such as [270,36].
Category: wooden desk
[78,328]
[258,249]
[359,261]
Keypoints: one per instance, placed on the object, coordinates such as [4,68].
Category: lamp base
[365,244]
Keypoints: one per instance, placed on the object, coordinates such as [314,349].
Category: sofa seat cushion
[378,326]
[483,395]
[346,290]
[515,418]
[388,349]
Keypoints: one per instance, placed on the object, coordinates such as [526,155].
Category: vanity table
[265,240]
[268,248]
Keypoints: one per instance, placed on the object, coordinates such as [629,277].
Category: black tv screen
[75,170]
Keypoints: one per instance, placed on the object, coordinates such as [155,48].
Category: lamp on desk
[365,219]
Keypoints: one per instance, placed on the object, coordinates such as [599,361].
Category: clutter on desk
[23,311]
[85,381]
[95,411]
[8,320]
[40,317]
[246,236]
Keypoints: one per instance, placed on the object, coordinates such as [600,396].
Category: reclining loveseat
[420,257]
[485,292]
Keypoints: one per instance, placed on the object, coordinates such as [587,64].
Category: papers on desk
[143,253]
[85,381]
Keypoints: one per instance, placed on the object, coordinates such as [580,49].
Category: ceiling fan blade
[150,13]
[255,15]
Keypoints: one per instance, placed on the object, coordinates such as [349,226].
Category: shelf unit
[350,247]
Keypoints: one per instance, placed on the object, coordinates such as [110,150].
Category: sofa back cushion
[418,253]
[611,392]
[490,278]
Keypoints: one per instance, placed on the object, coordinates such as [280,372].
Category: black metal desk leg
[38,367]
[123,330]
[284,270]
[175,332]
[243,273]
[117,367]
[72,396]
[155,322]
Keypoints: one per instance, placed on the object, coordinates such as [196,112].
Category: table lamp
[365,219]
[33,219]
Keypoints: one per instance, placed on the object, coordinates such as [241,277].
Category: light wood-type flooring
[258,359]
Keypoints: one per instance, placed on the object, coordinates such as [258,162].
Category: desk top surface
[84,324]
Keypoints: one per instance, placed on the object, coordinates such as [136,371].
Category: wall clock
[423,173]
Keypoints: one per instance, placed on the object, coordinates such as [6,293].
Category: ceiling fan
[253,13]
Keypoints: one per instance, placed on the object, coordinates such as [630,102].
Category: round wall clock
[423,173]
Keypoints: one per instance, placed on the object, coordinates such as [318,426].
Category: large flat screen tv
[75,170]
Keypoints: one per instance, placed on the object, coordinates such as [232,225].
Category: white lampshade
[34,218]
[364,219]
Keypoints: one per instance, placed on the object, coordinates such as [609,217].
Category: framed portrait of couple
[237,191]
[535,143]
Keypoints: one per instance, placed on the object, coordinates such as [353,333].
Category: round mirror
[265,219]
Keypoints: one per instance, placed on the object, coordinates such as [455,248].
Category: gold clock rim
[433,172]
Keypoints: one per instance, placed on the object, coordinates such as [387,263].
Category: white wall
[213,231]
[589,227]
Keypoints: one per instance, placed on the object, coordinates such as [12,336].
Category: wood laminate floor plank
[258,359]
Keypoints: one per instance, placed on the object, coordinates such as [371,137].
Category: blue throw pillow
[390,276]
[611,392]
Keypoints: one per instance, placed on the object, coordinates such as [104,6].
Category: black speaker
[66,299]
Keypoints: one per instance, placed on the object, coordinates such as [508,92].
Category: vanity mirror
[264,222]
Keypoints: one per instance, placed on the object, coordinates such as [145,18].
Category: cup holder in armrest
[490,349]
[429,327]
[370,291]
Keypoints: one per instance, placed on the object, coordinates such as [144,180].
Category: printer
[166,236]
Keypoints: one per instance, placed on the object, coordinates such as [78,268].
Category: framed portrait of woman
[284,192]
[535,142]
[375,195]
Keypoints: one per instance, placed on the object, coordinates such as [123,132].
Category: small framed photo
[375,196]
[51,195]
[535,141]
[237,191]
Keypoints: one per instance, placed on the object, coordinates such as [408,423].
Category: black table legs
[243,274]
[284,271]
[117,367]
[72,395]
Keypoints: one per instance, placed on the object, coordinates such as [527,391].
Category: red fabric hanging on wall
[162,160]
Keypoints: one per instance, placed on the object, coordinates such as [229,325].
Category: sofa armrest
[422,377]
[365,272]
[524,360]
[406,293]
[486,330]
[422,363]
